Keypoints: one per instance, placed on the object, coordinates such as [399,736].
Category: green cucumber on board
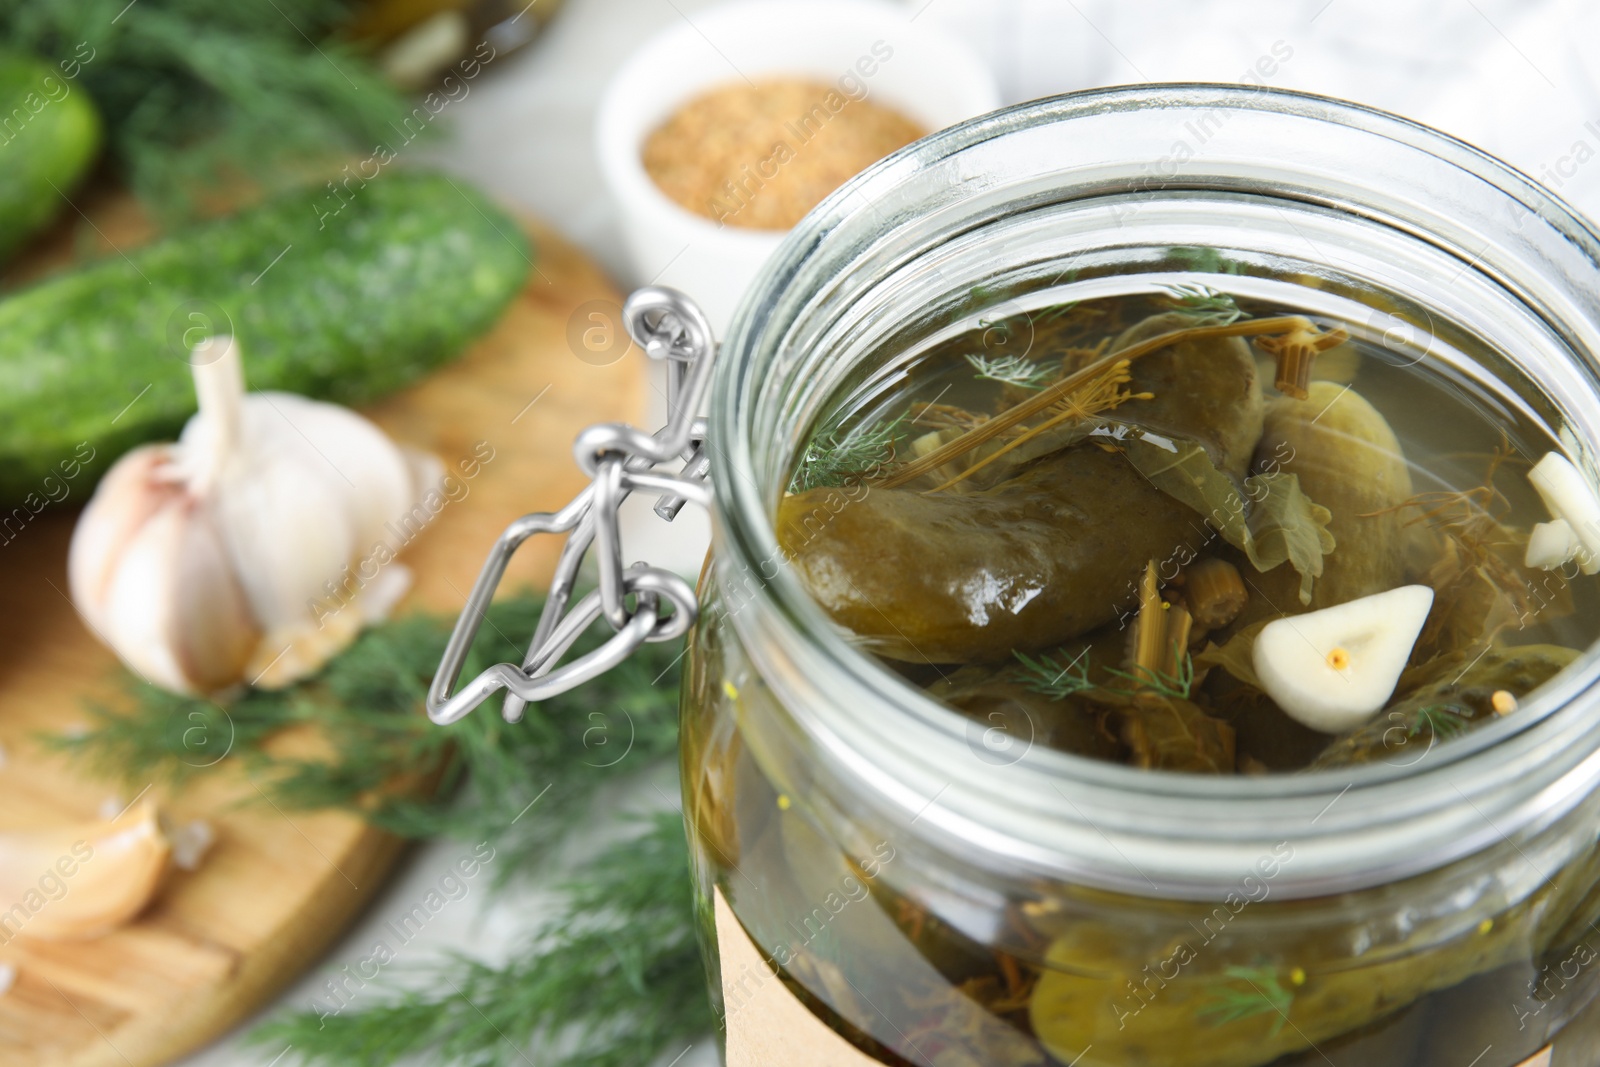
[49,136]
[342,305]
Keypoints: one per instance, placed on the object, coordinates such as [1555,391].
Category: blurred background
[428,212]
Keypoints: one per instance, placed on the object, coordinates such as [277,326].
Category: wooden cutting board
[277,887]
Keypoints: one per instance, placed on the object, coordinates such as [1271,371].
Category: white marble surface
[1509,75]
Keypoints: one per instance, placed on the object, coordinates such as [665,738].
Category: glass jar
[884,880]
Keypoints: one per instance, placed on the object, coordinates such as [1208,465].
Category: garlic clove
[130,493]
[81,881]
[212,631]
[350,450]
[139,608]
[1333,669]
[287,532]
[1569,496]
[1551,544]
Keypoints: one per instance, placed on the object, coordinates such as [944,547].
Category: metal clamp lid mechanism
[620,459]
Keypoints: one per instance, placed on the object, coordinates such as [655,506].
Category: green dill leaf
[368,705]
[1442,721]
[1055,312]
[199,95]
[1202,259]
[1216,308]
[1175,686]
[1045,675]
[1019,371]
[834,456]
[617,971]
[1264,994]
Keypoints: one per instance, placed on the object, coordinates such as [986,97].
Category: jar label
[767,1025]
[1538,1059]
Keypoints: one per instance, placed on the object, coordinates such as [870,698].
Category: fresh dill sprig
[617,972]
[1215,307]
[1047,315]
[1175,685]
[834,456]
[1442,721]
[1020,371]
[1202,259]
[1265,994]
[198,95]
[368,705]
[1048,677]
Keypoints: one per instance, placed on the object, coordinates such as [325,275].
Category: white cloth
[1518,78]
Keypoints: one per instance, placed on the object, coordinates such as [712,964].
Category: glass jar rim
[1158,833]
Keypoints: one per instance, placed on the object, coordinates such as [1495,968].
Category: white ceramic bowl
[917,69]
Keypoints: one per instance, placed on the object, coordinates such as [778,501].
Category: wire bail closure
[620,459]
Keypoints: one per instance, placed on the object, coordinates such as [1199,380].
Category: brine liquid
[916,965]
[874,959]
[1006,580]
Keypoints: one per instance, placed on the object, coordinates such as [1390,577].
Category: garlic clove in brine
[1574,505]
[225,557]
[1333,669]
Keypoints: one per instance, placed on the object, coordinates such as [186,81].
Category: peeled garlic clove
[1333,669]
[1551,544]
[81,881]
[1569,496]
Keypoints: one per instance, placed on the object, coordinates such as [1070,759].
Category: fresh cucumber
[339,298]
[49,134]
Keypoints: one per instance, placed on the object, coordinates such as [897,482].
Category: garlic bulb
[242,552]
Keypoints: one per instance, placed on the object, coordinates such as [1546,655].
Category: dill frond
[1019,371]
[1442,721]
[1055,312]
[198,95]
[1202,259]
[1216,308]
[1265,995]
[616,972]
[1175,684]
[368,705]
[1048,677]
[1091,376]
[835,456]
[1099,393]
